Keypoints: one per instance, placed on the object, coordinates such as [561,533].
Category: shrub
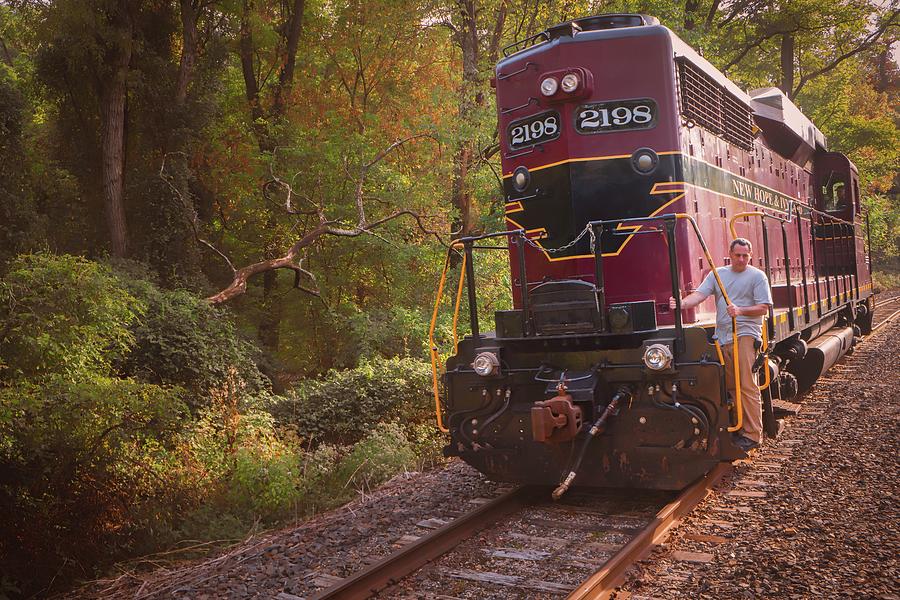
[249,471]
[87,471]
[344,406]
[184,341]
[387,332]
[383,453]
[63,315]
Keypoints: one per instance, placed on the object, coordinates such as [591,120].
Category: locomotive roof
[644,26]
[770,103]
[772,108]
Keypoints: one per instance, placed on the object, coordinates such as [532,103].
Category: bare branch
[866,43]
[288,190]
[289,261]
[326,227]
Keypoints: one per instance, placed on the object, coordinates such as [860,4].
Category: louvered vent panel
[706,103]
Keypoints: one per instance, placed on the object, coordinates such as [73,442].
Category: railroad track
[890,317]
[588,536]
[504,524]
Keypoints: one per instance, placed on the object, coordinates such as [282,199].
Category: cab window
[835,193]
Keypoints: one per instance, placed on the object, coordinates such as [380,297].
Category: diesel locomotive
[629,163]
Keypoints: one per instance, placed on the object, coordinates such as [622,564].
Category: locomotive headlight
[549,86]
[657,357]
[521,178]
[486,364]
[644,160]
[569,83]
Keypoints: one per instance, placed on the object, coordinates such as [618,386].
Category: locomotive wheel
[865,322]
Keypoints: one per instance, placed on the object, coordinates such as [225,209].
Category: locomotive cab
[836,185]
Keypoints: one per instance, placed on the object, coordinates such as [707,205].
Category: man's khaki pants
[750,398]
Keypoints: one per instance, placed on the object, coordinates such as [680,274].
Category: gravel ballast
[822,517]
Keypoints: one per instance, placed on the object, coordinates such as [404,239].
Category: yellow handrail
[743,214]
[459,289]
[764,327]
[764,349]
[432,346]
[734,341]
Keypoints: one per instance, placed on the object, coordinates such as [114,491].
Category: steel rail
[602,583]
[886,320]
[888,301]
[401,563]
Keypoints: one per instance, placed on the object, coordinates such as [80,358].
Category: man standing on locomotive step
[748,289]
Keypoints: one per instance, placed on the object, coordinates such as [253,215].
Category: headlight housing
[657,357]
[521,178]
[549,86]
[569,83]
[486,364]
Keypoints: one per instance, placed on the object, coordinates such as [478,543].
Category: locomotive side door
[836,187]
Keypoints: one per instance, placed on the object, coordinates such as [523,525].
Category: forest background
[221,221]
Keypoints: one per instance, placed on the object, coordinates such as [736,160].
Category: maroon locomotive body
[626,156]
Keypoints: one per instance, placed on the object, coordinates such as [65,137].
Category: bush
[392,331]
[96,464]
[88,470]
[383,453]
[182,340]
[132,417]
[63,315]
[344,406]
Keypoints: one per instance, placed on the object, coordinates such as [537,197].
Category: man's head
[740,253]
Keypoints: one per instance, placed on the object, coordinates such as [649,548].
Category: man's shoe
[745,443]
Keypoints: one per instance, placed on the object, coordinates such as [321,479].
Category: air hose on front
[622,395]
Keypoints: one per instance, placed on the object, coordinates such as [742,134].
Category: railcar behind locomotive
[629,163]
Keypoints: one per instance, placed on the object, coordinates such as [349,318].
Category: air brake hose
[599,426]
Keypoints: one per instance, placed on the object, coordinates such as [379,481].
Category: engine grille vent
[706,103]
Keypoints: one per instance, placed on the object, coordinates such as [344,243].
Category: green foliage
[383,453]
[89,470]
[886,275]
[97,456]
[182,340]
[63,315]
[21,227]
[344,406]
[393,331]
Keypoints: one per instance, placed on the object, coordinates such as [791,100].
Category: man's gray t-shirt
[747,288]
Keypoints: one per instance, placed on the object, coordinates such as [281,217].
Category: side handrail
[765,327]
[432,346]
[738,406]
[465,267]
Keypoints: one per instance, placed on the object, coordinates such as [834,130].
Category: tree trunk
[691,8]
[188,50]
[787,64]
[290,31]
[112,140]
[251,87]
[270,322]
[286,75]
[471,96]
[181,251]
[886,69]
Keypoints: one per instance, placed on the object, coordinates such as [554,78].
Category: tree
[799,40]
[321,225]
